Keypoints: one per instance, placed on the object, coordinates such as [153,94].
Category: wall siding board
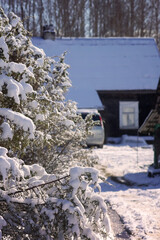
[110,101]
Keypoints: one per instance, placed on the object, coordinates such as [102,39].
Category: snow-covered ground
[138,200]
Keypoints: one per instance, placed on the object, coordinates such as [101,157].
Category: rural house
[125,110]
[118,76]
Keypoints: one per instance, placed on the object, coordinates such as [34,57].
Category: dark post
[157,146]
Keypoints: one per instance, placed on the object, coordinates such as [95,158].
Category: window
[128,115]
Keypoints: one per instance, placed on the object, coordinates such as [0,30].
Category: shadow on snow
[138,180]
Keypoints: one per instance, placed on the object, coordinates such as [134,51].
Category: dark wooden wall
[110,101]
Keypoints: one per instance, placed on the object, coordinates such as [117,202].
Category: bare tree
[153,23]
[40,13]
[101,18]
[141,17]
[69,16]
[130,17]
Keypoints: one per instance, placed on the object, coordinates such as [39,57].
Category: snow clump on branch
[68,205]
[46,190]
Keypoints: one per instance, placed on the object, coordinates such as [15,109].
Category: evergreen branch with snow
[46,182]
[37,186]
[64,207]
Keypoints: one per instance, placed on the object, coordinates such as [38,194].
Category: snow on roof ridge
[108,39]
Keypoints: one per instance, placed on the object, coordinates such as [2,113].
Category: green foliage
[37,205]
[38,125]
[42,83]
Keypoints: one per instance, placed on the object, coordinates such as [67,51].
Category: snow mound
[133,141]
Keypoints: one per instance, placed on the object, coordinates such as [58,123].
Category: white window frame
[130,104]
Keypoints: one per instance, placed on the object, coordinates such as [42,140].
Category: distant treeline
[94,18]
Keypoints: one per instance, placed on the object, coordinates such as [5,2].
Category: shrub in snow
[38,125]
[15,84]
[36,122]
[37,205]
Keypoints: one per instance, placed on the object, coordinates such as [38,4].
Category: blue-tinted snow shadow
[138,180]
[111,186]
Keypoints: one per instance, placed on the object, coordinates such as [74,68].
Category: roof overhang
[150,122]
[126,91]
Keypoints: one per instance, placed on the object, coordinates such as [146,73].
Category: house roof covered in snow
[106,64]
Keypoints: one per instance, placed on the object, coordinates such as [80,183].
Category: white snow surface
[14,172]
[15,89]
[2,223]
[138,203]
[105,64]
[6,131]
[4,47]
[15,20]
[19,119]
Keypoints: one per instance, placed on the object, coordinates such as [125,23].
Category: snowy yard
[134,195]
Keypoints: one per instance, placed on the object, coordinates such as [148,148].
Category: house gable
[106,64]
[121,69]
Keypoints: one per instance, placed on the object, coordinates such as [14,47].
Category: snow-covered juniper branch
[35,119]
[37,186]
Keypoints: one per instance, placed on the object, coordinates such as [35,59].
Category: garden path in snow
[137,203]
